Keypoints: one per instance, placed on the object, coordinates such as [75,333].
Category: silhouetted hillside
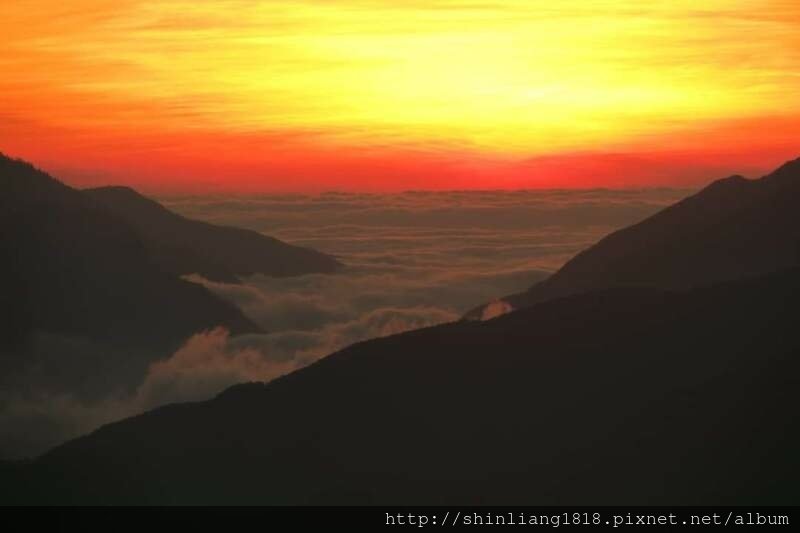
[220,253]
[732,229]
[70,267]
[626,396]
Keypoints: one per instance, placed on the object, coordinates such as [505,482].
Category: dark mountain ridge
[90,292]
[732,229]
[76,268]
[623,396]
[73,271]
[220,253]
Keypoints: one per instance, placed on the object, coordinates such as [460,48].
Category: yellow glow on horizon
[506,78]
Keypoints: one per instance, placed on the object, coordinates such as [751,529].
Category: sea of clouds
[412,260]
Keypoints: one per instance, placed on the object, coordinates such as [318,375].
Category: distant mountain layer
[219,253]
[71,266]
[733,228]
[624,396]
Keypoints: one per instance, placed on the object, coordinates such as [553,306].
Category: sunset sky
[241,95]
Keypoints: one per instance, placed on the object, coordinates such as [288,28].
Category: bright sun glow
[451,79]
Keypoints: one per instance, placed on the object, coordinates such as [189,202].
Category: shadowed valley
[665,373]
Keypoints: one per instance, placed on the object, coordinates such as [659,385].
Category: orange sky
[242,95]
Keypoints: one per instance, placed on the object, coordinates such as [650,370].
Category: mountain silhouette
[73,271]
[77,268]
[622,396]
[219,253]
[733,228]
[71,268]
